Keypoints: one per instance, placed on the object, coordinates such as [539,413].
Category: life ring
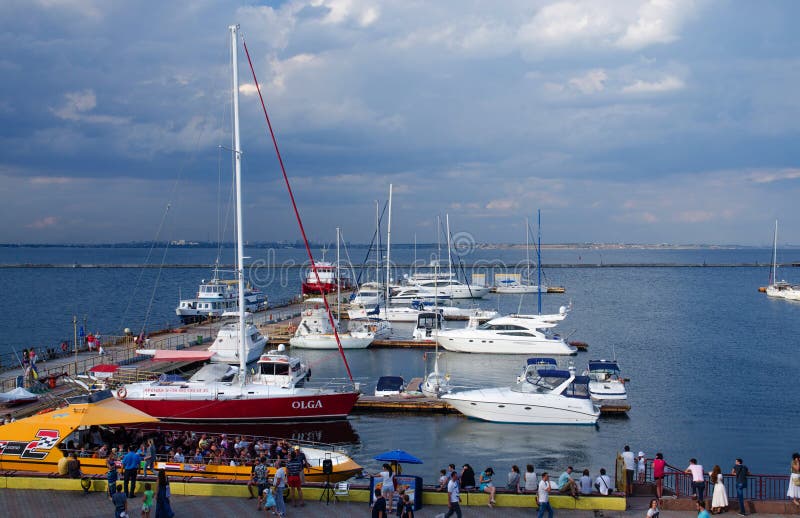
[373,329]
[122,392]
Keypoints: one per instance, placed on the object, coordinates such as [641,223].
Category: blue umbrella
[398,456]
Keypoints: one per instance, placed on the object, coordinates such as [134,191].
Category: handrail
[759,486]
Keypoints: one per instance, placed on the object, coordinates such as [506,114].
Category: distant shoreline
[479,246]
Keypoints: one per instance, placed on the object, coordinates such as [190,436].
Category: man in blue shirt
[130,464]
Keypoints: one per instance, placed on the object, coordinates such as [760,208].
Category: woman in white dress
[719,499]
[794,480]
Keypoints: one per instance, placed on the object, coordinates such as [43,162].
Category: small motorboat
[606,386]
[390,386]
[428,323]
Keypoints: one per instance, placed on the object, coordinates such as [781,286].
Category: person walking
[280,485]
[630,468]
[163,505]
[719,498]
[741,472]
[130,467]
[544,497]
[794,480]
[453,496]
[698,480]
[658,475]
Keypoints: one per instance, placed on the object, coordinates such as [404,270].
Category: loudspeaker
[327,467]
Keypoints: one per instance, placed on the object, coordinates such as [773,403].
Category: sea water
[713,363]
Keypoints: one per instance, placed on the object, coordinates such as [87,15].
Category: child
[270,504]
[408,508]
[147,504]
[641,462]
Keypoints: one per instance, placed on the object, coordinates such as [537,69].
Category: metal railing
[759,487]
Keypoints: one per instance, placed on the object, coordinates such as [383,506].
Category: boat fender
[308,374]
[122,392]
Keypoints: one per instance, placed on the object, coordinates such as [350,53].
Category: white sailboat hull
[503,405]
[329,341]
[783,292]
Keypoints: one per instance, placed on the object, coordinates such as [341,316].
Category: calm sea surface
[713,363]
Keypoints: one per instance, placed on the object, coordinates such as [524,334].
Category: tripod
[327,490]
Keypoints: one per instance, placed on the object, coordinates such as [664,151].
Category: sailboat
[220,394]
[776,288]
[436,384]
[315,330]
[511,284]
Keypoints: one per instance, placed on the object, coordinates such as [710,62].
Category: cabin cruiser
[542,395]
[226,344]
[330,276]
[606,386]
[514,334]
[428,324]
[452,288]
[390,386]
[315,331]
[217,297]
[403,295]
[368,295]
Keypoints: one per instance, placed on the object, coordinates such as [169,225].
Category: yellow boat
[37,443]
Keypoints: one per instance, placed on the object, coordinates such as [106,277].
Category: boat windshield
[579,388]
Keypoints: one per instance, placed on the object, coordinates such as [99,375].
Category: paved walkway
[18,503]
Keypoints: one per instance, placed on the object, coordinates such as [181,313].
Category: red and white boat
[278,391]
[328,273]
[221,393]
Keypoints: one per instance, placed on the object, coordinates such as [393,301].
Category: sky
[635,121]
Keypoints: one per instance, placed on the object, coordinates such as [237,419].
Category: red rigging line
[296,212]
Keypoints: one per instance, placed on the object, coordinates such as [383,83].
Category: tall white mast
[388,250]
[449,261]
[527,252]
[378,249]
[238,172]
[775,255]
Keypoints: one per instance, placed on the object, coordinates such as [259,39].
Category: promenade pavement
[18,503]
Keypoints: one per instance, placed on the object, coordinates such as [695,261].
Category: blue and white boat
[606,386]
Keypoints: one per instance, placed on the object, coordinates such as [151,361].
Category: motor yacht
[542,395]
[514,334]
[606,386]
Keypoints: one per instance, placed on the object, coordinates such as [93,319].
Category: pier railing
[759,487]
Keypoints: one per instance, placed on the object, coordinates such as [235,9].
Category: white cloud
[774,176]
[626,24]
[667,84]
[591,82]
[77,106]
[45,222]
[340,11]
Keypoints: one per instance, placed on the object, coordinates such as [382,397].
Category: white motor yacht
[368,295]
[540,396]
[514,334]
[453,288]
[606,386]
[226,345]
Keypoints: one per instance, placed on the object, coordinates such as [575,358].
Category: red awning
[169,355]
[104,367]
